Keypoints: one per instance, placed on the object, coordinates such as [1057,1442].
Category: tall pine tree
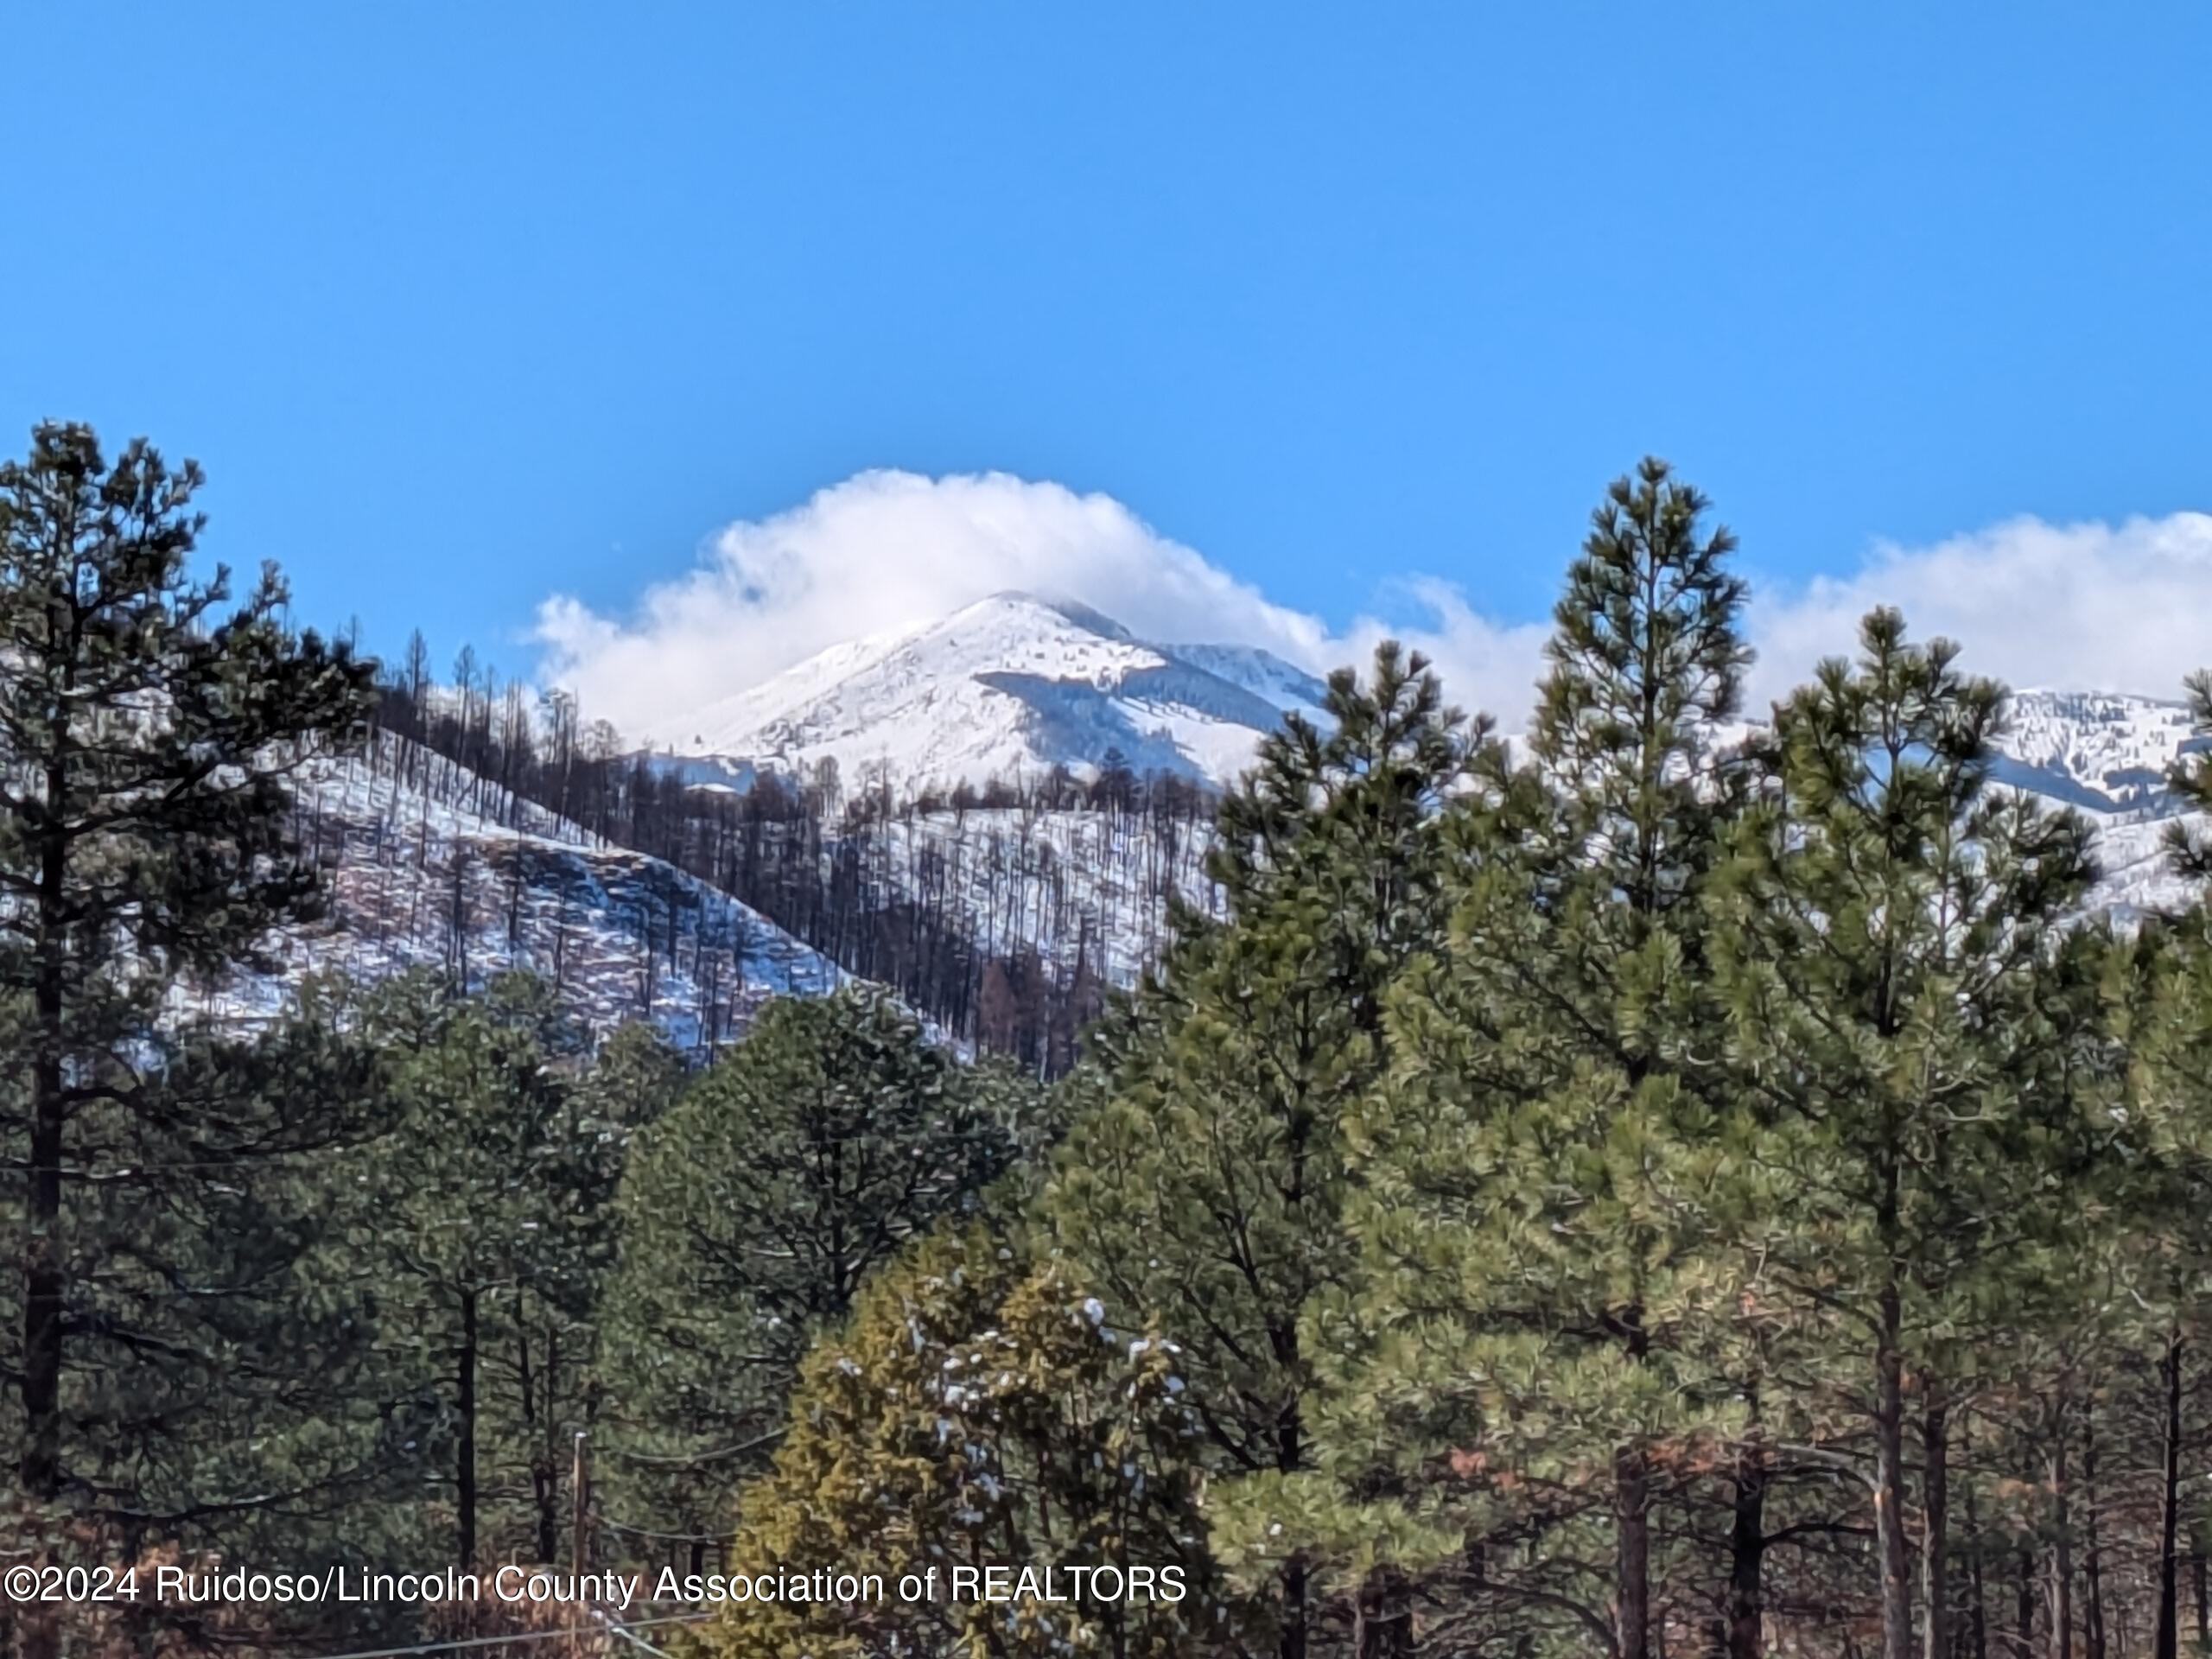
[1537,1172]
[148,729]
[1203,1191]
[1887,938]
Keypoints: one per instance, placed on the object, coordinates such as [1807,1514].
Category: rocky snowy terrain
[1086,891]
[2108,754]
[430,865]
[1007,688]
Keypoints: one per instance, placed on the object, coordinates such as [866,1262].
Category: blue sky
[465,306]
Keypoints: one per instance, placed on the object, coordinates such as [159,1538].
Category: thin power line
[623,1630]
[494,1641]
[664,1537]
[684,1460]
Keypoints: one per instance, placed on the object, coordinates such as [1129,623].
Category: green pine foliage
[1901,1011]
[1540,1320]
[755,1208]
[1205,1188]
[979,1410]
[147,728]
[488,1216]
[1676,1182]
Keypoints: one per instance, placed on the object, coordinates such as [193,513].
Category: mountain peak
[1013,684]
[1068,610]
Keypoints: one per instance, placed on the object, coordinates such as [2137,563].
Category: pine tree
[756,1207]
[2161,986]
[979,1410]
[146,739]
[1203,1188]
[228,1394]
[1538,1173]
[488,1213]
[1886,936]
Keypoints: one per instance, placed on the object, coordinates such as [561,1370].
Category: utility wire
[623,1630]
[607,1520]
[682,1461]
[494,1641]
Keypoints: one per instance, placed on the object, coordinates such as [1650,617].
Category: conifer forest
[1685,1179]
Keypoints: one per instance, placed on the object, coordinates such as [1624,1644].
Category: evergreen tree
[241,1407]
[755,1208]
[488,1213]
[1885,934]
[978,1411]
[146,738]
[2161,986]
[1203,1189]
[1538,1172]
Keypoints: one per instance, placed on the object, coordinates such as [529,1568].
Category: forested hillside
[1003,913]
[426,864]
[1670,1185]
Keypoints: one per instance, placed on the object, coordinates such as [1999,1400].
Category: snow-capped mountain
[432,864]
[1016,684]
[1007,687]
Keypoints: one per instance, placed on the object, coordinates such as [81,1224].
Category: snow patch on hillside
[423,870]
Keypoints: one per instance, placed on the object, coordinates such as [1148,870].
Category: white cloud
[2125,607]
[889,550]
[2087,607]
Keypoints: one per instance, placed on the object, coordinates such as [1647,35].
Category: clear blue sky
[462,304]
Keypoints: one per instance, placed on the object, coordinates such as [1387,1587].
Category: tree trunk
[1978,1581]
[1747,1557]
[1633,1522]
[465,1450]
[1889,1479]
[1936,1540]
[1382,1617]
[2093,1578]
[45,1277]
[1632,1557]
[45,1289]
[1291,1642]
[2166,1643]
[1290,1451]
[2062,1553]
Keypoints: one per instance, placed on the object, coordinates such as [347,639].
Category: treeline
[1656,1198]
[1001,911]
[351,1286]
[1652,1196]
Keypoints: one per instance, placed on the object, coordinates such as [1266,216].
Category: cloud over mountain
[2122,607]
[2087,607]
[886,550]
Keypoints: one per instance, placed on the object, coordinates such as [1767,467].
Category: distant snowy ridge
[1016,684]
[2108,754]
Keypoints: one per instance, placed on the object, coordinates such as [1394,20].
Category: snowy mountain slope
[1079,888]
[2108,754]
[1082,886]
[422,873]
[1262,673]
[1015,684]
[1010,686]
[2103,752]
